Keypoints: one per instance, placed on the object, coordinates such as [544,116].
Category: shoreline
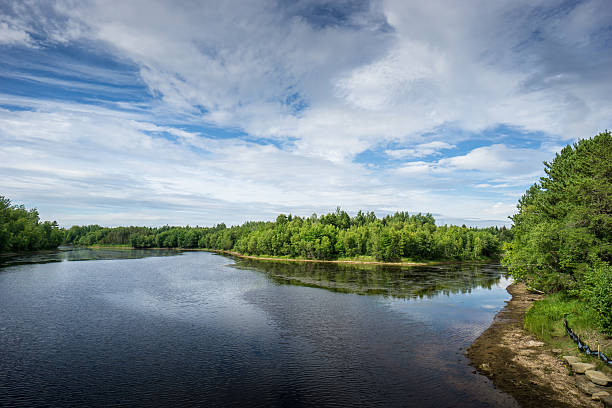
[269,258]
[351,262]
[519,364]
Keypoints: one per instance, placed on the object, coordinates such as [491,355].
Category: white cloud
[500,209]
[501,160]
[391,74]
[421,150]
[11,33]
[494,158]
[363,86]
[497,163]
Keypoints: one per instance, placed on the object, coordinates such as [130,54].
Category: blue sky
[159,112]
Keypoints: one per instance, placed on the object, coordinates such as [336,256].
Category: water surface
[203,329]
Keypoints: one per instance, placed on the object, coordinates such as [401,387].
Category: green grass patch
[545,321]
[545,318]
[114,246]
[358,258]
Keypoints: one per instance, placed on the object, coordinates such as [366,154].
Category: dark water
[82,254]
[196,330]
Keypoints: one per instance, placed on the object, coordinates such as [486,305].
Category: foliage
[21,229]
[563,228]
[330,236]
[597,290]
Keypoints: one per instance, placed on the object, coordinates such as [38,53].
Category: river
[167,328]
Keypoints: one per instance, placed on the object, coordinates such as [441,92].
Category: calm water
[142,328]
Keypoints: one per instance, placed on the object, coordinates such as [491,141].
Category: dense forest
[22,230]
[331,236]
[563,229]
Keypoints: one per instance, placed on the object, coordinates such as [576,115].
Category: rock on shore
[519,364]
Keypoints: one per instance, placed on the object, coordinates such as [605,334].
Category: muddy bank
[519,364]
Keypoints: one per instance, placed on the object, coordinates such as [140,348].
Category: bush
[597,292]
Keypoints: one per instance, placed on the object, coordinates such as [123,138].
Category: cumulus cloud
[500,159]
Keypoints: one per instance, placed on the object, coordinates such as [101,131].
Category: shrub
[597,292]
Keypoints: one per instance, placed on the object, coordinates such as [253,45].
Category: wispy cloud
[421,150]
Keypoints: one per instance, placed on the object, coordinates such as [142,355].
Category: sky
[199,112]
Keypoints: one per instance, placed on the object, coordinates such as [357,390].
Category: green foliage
[562,232]
[21,229]
[330,236]
[597,290]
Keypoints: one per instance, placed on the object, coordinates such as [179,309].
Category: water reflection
[395,281]
[66,253]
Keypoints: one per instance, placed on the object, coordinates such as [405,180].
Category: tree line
[22,230]
[330,236]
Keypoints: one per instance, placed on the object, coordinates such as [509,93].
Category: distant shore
[338,261]
[304,260]
[280,259]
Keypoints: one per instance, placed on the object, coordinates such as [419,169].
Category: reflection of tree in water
[82,254]
[396,281]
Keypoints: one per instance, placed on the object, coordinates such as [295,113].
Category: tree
[564,222]
[21,229]
[563,228]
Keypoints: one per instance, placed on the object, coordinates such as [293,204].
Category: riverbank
[521,365]
[338,261]
[284,259]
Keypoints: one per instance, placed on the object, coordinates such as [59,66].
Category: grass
[545,321]
[120,246]
[360,258]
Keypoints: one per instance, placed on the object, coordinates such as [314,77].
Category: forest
[336,235]
[22,230]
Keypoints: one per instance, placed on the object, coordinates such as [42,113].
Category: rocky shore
[524,367]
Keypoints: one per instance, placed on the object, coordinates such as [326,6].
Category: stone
[607,401]
[597,377]
[571,359]
[598,395]
[556,351]
[580,368]
[534,343]
[587,386]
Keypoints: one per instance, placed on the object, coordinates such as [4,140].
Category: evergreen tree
[562,232]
